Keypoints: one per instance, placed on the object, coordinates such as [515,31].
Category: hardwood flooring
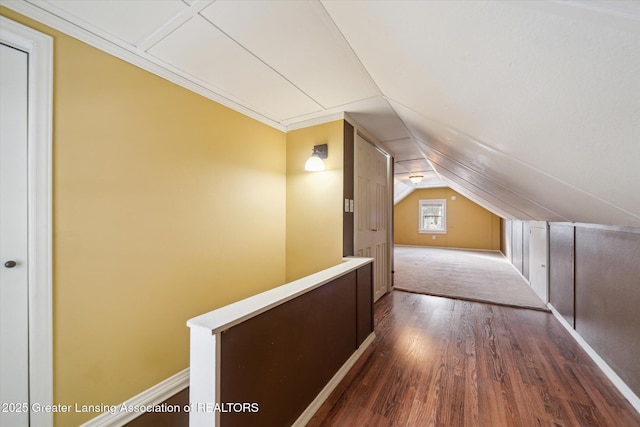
[445,362]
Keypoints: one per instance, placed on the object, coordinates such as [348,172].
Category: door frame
[360,132]
[39,198]
[540,225]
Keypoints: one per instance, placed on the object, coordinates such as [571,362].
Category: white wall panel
[203,51]
[303,45]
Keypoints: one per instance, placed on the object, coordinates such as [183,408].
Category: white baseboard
[447,247]
[308,413]
[604,367]
[150,397]
[178,382]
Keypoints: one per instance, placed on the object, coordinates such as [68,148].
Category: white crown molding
[47,14]
[315,121]
[44,13]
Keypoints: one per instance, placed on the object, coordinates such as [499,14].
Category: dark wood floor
[444,362]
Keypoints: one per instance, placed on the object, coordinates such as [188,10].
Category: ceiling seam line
[335,25]
[169,27]
[266,64]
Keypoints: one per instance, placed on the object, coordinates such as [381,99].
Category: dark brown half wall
[607,296]
[282,358]
[364,307]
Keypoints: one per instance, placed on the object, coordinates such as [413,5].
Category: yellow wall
[166,205]
[468,224]
[314,201]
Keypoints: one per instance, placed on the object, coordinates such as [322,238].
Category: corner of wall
[314,201]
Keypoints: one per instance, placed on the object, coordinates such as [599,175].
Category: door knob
[10,264]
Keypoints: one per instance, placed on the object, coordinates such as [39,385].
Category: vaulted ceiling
[530,108]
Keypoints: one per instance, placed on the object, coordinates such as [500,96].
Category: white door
[14,323]
[371,212]
[538,259]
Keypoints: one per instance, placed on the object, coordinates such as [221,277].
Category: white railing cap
[232,314]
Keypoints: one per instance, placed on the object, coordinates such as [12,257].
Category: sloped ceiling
[529,108]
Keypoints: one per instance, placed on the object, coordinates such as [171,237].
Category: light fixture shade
[416,179]
[314,164]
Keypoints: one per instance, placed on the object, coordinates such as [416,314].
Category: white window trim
[424,202]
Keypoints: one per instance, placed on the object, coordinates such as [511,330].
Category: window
[433,216]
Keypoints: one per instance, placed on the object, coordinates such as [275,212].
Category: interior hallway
[445,362]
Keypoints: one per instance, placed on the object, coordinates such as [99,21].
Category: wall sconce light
[315,162]
[416,179]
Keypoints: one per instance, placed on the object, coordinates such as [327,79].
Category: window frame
[432,202]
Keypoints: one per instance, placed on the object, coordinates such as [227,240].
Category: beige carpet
[482,276]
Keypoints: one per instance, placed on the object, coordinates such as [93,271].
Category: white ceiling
[530,108]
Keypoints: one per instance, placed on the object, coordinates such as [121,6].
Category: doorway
[373,212]
[538,244]
[14,297]
[25,208]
